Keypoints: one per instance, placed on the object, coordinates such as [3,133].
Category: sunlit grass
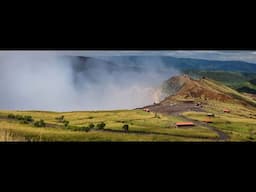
[143,126]
[240,124]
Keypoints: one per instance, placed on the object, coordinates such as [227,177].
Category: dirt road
[175,109]
[178,108]
[222,136]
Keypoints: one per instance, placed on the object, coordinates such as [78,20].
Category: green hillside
[242,82]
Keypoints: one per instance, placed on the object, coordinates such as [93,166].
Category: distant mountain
[209,65]
[182,64]
[187,63]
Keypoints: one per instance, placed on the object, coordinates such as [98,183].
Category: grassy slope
[235,80]
[227,90]
[240,124]
[237,124]
[138,121]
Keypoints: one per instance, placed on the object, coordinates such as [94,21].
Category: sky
[248,56]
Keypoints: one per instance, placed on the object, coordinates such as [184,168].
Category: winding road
[222,136]
[177,110]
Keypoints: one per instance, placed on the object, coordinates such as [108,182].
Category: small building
[146,110]
[207,120]
[226,111]
[182,124]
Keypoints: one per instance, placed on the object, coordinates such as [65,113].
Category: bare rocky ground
[175,108]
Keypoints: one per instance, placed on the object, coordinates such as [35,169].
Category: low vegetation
[11,116]
[241,81]
[119,125]
[239,124]
[22,119]
[126,127]
[40,123]
[100,126]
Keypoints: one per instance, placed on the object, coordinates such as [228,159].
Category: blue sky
[249,56]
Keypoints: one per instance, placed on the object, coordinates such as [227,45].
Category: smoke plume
[62,82]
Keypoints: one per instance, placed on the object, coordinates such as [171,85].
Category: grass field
[239,124]
[143,126]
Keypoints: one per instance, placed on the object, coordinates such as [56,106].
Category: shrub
[91,125]
[24,122]
[40,123]
[90,117]
[11,116]
[71,127]
[28,118]
[101,125]
[86,129]
[60,119]
[19,117]
[75,128]
[126,127]
[37,124]
[66,123]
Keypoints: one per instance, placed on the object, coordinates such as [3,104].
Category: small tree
[28,118]
[40,123]
[60,119]
[24,122]
[19,117]
[66,123]
[86,129]
[91,126]
[101,125]
[37,124]
[126,128]
[11,116]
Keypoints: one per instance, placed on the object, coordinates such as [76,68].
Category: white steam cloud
[35,81]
